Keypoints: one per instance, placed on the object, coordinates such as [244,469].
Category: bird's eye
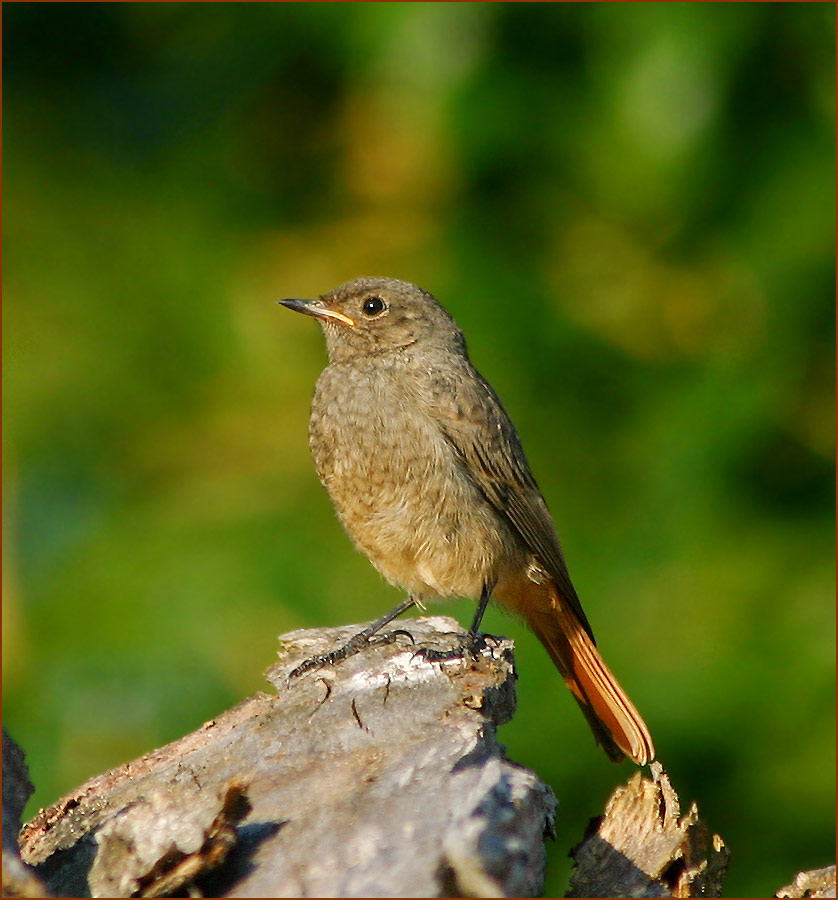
[374,306]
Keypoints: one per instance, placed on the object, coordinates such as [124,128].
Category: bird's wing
[474,422]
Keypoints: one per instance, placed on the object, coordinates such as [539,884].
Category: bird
[429,478]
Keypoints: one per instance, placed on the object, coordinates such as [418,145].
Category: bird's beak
[318,309]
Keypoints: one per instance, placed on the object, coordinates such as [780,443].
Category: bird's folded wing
[473,420]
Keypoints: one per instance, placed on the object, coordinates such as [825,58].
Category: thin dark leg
[485,596]
[356,643]
[472,638]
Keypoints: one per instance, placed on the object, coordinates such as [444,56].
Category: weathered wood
[643,847]
[378,777]
[19,880]
[814,883]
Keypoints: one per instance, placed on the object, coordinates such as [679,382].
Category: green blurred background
[629,208]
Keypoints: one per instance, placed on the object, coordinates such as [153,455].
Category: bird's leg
[471,643]
[358,642]
[485,596]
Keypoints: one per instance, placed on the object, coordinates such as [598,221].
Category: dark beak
[318,309]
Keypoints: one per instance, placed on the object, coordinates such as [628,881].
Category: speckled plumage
[427,475]
[397,484]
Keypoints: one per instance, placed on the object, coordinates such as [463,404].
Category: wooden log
[643,847]
[381,776]
[814,883]
[19,880]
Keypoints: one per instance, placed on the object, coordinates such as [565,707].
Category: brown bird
[428,476]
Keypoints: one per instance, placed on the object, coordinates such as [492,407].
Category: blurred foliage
[630,210]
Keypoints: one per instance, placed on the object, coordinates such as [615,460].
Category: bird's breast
[399,488]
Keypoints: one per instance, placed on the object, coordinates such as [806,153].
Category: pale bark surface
[378,777]
[644,847]
[814,883]
[381,776]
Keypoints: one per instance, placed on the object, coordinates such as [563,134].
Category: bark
[19,880]
[643,847]
[381,776]
[814,883]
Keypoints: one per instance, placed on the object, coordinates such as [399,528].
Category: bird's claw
[354,645]
[469,648]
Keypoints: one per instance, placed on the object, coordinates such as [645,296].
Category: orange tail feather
[615,722]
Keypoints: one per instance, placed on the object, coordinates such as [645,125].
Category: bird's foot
[469,648]
[361,641]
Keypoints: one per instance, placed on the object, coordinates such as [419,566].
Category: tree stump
[378,777]
[381,776]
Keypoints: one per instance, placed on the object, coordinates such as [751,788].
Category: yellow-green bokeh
[630,210]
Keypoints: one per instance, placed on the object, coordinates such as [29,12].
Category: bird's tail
[615,722]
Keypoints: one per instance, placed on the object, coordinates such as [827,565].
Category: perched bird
[428,476]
